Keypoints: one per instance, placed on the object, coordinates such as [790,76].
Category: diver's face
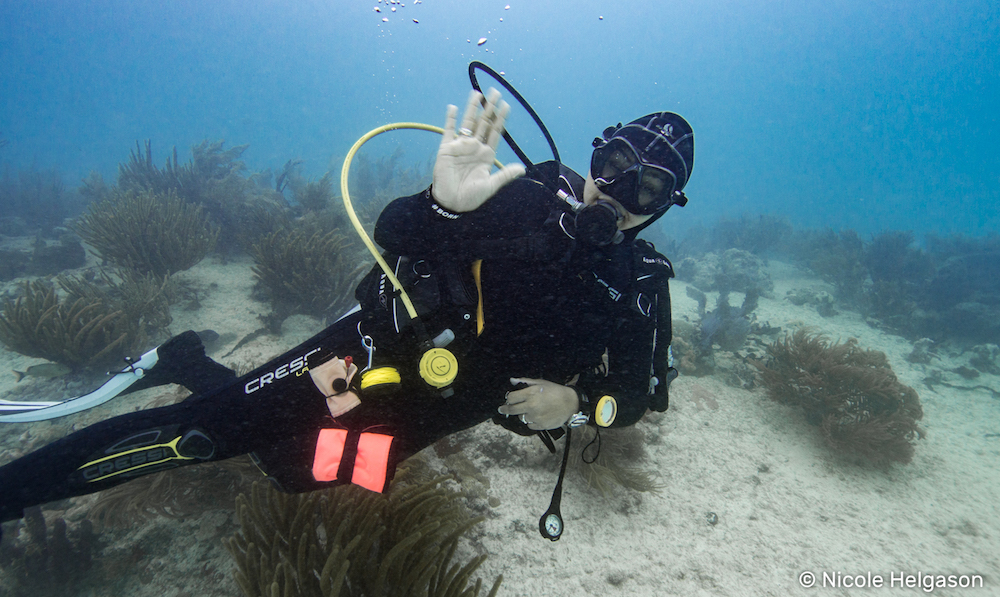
[626,219]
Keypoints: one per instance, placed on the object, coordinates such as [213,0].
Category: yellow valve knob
[438,367]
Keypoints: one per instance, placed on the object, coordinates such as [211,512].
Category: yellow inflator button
[438,367]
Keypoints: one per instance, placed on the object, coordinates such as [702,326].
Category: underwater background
[870,115]
[162,162]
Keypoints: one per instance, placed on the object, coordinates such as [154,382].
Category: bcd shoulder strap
[653,272]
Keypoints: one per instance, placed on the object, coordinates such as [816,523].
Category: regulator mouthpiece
[597,224]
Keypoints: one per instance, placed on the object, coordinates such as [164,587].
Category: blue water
[871,115]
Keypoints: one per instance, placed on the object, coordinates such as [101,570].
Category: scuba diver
[537,306]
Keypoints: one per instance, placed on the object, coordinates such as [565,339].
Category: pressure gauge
[552,526]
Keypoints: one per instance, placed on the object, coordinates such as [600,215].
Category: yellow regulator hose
[354,217]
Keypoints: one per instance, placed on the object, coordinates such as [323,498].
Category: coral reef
[213,179]
[44,258]
[77,332]
[850,393]
[962,298]
[256,221]
[986,358]
[312,195]
[686,356]
[891,257]
[948,292]
[51,258]
[898,272]
[838,259]
[376,182]
[148,231]
[734,270]
[44,560]
[323,278]
[179,493]
[921,353]
[143,299]
[724,327]
[33,201]
[619,454]
[93,323]
[821,301]
[951,291]
[351,542]
[753,234]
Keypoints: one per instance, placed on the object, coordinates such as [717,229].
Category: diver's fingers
[497,129]
[449,123]
[516,397]
[504,176]
[484,126]
[525,380]
[513,409]
[471,111]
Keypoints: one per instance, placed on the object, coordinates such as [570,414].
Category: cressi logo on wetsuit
[130,458]
[298,366]
[130,461]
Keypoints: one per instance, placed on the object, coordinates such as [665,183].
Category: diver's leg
[265,407]
[182,360]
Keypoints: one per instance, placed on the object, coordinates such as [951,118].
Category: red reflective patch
[371,467]
[329,451]
[371,464]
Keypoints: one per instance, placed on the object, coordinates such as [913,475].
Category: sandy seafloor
[785,504]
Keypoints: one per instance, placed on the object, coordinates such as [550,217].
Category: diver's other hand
[541,405]
[462,179]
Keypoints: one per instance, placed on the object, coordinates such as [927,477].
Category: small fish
[44,371]
[481,41]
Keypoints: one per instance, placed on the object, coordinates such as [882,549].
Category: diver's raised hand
[462,178]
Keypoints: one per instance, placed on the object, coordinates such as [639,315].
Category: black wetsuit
[552,309]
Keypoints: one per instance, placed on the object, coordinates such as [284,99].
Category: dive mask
[641,187]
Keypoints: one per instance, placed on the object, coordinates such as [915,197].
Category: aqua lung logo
[133,460]
[656,261]
[298,366]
